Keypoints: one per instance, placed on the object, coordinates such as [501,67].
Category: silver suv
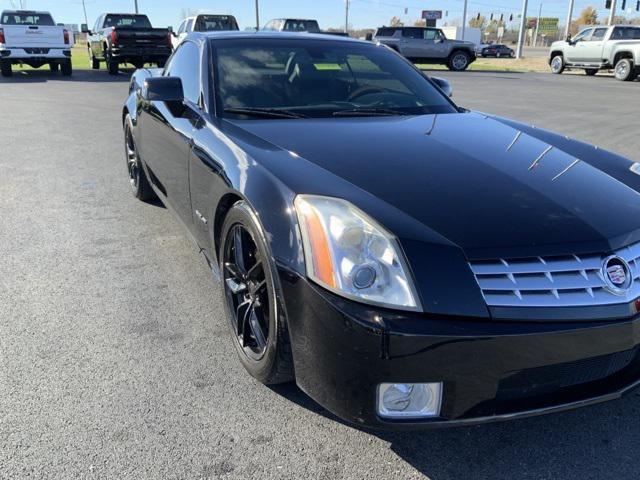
[427,45]
[600,48]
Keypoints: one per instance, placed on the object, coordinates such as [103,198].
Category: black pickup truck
[126,38]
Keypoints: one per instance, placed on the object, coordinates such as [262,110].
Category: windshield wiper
[264,112]
[368,112]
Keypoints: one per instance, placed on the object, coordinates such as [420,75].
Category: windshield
[127,21]
[301,26]
[318,78]
[210,23]
[43,19]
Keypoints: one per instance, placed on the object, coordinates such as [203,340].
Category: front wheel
[95,63]
[625,70]
[557,64]
[458,61]
[257,322]
[5,68]
[140,186]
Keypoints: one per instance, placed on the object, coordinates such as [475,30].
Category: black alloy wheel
[256,316]
[247,292]
[137,179]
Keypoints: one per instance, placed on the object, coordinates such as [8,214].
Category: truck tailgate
[142,37]
[34,36]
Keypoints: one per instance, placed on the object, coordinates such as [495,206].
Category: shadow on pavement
[45,75]
[593,442]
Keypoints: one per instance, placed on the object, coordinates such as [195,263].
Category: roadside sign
[545,24]
[432,14]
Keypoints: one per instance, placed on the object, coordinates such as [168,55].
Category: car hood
[481,182]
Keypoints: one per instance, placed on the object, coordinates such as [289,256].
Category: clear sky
[330,13]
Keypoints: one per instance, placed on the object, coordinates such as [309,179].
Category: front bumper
[490,370]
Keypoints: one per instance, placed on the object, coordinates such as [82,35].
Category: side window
[598,34]
[430,34]
[185,63]
[98,24]
[583,35]
[181,27]
[413,33]
[190,25]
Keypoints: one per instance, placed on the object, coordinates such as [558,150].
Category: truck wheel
[54,67]
[5,68]
[557,64]
[458,61]
[625,70]
[112,66]
[590,71]
[95,63]
[67,68]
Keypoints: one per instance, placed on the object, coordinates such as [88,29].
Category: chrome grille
[554,281]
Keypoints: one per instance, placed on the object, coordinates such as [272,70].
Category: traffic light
[502,16]
[478,17]
[624,5]
[638,6]
[607,4]
[511,16]
[491,17]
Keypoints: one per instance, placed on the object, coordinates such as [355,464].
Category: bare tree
[396,22]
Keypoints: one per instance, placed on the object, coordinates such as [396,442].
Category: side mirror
[85,29]
[165,89]
[437,40]
[444,85]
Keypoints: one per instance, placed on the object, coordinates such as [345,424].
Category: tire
[261,337]
[95,63]
[458,61]
[5,68]
[54,67]
[67,68]
[112,66]
[557,64]
[140,186]
[625,70]
[590,72]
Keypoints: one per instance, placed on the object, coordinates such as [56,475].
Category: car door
[434,44]
[167,135]
[95,38]
[575,50]
[412,42]
[592,47]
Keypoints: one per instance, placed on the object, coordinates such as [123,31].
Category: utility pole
[464,19]
[612,13]
[257,17]
[346,16]
[535,36]
[136,4]
[84,7]
[523,27]
[567,30]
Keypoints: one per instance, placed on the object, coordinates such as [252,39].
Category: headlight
[348,253]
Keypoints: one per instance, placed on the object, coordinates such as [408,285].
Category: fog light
[409,400]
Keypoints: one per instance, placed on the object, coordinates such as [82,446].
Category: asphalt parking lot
[115,361]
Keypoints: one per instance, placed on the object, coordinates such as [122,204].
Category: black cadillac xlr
[407,262]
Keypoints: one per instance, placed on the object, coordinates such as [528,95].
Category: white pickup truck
[33,38]
[600,48]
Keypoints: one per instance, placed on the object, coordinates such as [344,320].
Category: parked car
[427,45]
[120,38]
[33,38]
[600,48]
[292,25]
[204,23]
[497,50]
[325,180]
